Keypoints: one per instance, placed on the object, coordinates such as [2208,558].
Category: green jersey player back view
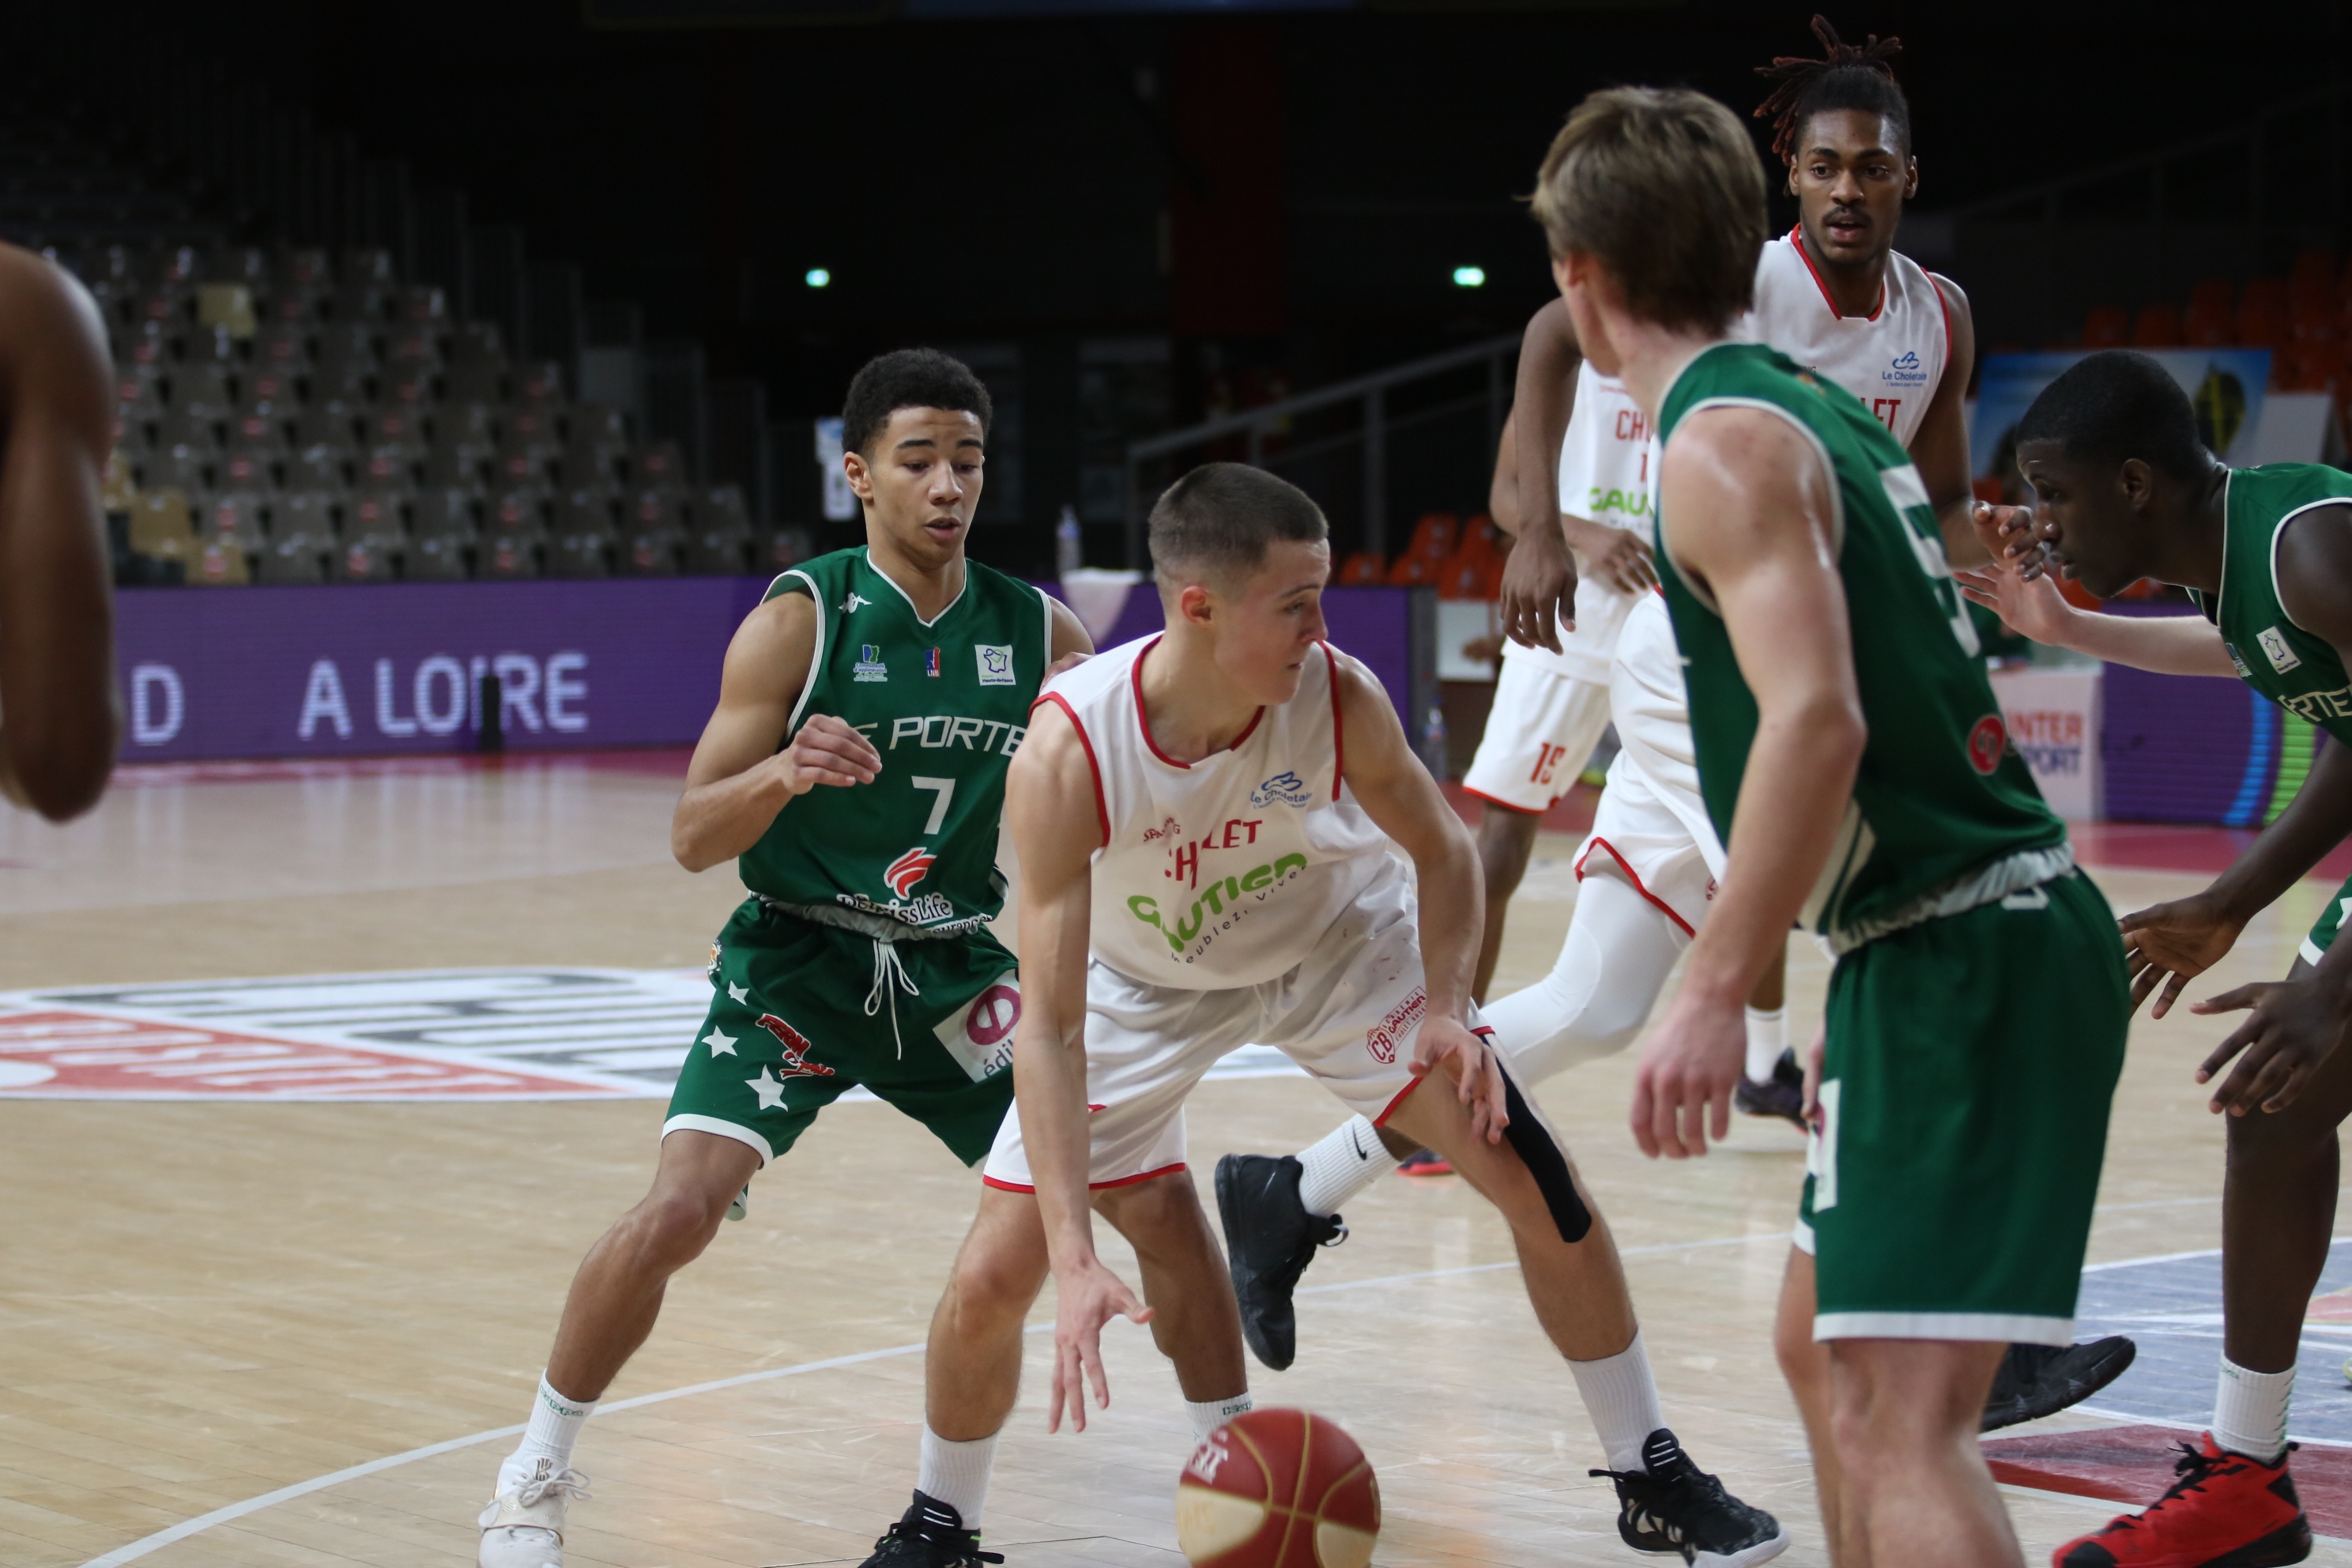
[855,769]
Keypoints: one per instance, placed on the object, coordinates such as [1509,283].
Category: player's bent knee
[1547,1163]
[674,1225]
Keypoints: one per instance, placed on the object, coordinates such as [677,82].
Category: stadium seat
[313,512]
[660,465]
[149,344]
[294,556]
[180,465]
[160,526]
[410,383]
[305,266]
[360,303]
[256,466]
[294,307]
[450,512]
[1426,556]
[514,536]
[412,345]
[2307,364]
[283,344]
[220,563]
[2311,286]
[2158,327]
[524,461]
[465,464]
[2262,313]
[422,305]
[779,549]
[347,345]
[196,425]
[234,518]
[371,553]
[540,383]
[245,263]
[583,536]
[1362,570]
[439,558]
[2109,327]
[477,343]
[203,385]
[2210,320]
[269,390]
[327,420]
[476,381]
[321,465]
[393,422]
[1475,571]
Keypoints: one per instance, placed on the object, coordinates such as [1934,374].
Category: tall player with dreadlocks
[1836,296]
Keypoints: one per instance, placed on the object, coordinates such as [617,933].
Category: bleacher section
[2305,320]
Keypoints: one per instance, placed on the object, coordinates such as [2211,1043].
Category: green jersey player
[1853,759]
[855,769]
[2127,489]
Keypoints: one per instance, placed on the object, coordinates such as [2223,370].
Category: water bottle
[1066,556]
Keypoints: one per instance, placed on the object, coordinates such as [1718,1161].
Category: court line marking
[235,1510]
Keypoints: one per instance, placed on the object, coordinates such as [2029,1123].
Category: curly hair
[1848,75]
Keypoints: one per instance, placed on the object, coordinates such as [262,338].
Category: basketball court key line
[235,1510]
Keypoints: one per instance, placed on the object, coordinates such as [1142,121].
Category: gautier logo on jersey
[1220,895]
[870,668]
[995,663]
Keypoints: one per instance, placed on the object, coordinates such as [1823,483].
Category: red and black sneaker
[2225,1512]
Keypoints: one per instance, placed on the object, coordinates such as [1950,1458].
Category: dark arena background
[477,368]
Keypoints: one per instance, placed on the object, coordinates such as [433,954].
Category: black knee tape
[1544,1161]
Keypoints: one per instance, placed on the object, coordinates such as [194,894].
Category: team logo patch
[908,869]
[1392,1031]
[1286,787]
[931,664]
[2274,648]
[980,1037]
[2238,661]
[796,1050]
[850,605]
[1905,369]
[1986,744]
[870,668]
[995,663]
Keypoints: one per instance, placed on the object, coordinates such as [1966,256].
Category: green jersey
[1944,816]
[945,702]
[2302,673]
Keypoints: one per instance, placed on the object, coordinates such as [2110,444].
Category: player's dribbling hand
[1477,1075]
[2172,945]
[2296,1025]
[1086,1298]
[1682,1091]
[827,751]
[1539,589]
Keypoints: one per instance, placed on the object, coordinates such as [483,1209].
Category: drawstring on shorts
[889,969]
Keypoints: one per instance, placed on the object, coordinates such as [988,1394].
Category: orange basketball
[1278,1488]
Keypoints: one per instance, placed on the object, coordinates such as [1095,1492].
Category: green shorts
[801,1013]
[2323,932]
[1964,1099]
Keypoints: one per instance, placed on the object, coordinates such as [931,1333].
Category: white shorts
[1650,846]
[1538,734]
[1348,1014]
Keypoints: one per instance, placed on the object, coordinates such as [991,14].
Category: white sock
[1208,1415]
[956,1473]
[555,1423]
[1623,1400]
[1350,1158]
[1768,1036]
[2249,1411]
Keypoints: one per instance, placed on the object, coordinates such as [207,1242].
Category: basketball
[1278,1488]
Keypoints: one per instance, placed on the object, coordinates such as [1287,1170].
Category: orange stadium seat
[1361,570]
[2210,321]
[2158,327]
[2109,327]
[2306,364]
[1426,557]
[2262,313]
[1475,571]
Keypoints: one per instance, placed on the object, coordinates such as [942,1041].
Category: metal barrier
[1378,423]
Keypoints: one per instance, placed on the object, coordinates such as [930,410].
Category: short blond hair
[1665,188]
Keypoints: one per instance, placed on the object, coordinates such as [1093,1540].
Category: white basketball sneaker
[524,1526]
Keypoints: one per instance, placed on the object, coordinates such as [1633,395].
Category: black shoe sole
[2047,1397]
[1275,1357]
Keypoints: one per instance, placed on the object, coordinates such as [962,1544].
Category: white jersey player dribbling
[1244,899]
[1551,709]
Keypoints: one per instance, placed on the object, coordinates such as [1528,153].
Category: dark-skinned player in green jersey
[855,769]
[1854,760]
[2126,490]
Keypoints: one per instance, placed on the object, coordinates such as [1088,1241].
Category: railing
[1371,392]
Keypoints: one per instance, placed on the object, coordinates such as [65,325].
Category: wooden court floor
[203,1305]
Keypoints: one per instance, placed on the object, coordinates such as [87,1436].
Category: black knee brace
[1547,1164]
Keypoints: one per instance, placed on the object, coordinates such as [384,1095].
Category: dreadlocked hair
[1850,76]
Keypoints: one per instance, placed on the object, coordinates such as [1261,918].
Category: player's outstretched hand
[827,751]
[2170,945]
[1086,1298]
[1538,588]
[2295,1024]
[1477,1074]
[2012,534]
[2033,606]
[1690,1065]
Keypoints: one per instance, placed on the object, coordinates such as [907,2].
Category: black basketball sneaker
[1676,1510]
[2034,1381]
[930,1534]
[1781,1095]
[1270,1238]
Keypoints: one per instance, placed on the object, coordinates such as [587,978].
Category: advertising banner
[2226,387]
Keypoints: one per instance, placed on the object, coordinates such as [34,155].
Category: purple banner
[210,674]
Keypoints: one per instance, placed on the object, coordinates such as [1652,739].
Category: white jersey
[1893,359]
[1228,871]
[1606,463]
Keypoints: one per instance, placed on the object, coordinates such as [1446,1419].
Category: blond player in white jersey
[1834,295]
[1224,838]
